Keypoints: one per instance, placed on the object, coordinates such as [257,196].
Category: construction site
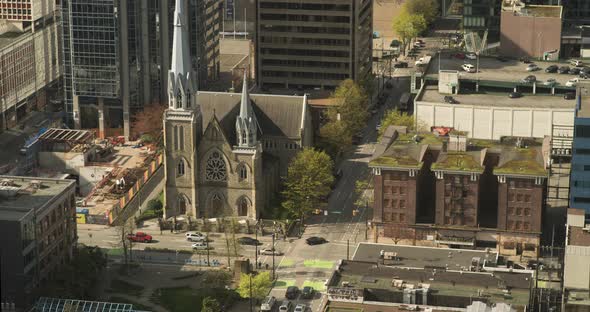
[110,173]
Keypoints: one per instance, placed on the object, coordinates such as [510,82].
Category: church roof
[277,115]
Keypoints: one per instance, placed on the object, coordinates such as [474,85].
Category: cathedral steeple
[182,84]
[246,123]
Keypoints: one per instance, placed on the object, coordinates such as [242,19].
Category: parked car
[468,68]
[572,82]
[532,67]
[569,96]
[501,58]
[550,82]
[584,75]
[421,61]
[471,56]
[420,41]
[459,55]
[300,308]
[401,65]
[268,303]
[270,252]
[449,99]
[315,240]
[525,60]
[515,95]
[576,63]
[140,237]
[286,306]
[194,236]
[551,69]
[529,79]
[564,70]
[248,241]
[307,292]
[292,292]
[574,71]
[200,245]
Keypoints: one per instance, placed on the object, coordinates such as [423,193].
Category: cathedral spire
[246,123]
[181,77]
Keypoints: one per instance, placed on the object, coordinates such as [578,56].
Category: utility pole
[250,276]
[273,257]
[256,245]
[207,240]
[367,220]
[348,249]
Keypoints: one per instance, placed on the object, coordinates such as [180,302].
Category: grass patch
[137,306]
[114,251]
[185,299]
[284,283]
[122,287]
[287,262]
[317,285]
[318,264]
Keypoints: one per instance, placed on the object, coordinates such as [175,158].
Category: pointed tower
[246,123]
[182,125]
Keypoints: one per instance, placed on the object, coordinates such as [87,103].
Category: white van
[268,303]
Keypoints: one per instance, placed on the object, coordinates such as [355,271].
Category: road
[301,264]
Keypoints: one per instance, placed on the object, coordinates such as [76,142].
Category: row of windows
[519,211]
[526,198]
[215,169]
[582,131]
[394,217]
[518,226]
[585,184]
[393,204]
[394,190]
[272,144]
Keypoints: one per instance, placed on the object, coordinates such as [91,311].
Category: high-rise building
[37,233]
[29,57]
[482,15]
[306,44]
[116,54]
[580,168]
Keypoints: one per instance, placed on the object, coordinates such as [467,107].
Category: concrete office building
[580,176]
[116,54]
[307,44]
[482,15]
[37,233]
[29,58]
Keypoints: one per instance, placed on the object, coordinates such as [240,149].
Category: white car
[420,61]
[572,82]
[577,63]
[200,245]
[194,236]
[532,67]
[270,251]
[468,68]
[471,56]
[550,82]
[300,308]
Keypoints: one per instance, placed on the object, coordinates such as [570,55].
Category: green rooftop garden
[396,161]
[525,163]
[425,138]
[458,161]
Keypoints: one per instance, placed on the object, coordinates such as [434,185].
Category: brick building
[452,191]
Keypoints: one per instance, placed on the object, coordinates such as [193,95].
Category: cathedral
[225,152]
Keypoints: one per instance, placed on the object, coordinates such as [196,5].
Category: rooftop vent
[7,182]
[457,142]
[36,184]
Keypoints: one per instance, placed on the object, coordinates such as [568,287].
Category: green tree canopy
[396,118]
[210,305]
[427,8]
[309,178]
[408,26]
[261,284]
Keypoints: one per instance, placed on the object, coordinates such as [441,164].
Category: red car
[460,56]
[140,237]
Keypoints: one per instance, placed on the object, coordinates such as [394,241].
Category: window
[175,138]
[402,217]
[511,210]
[215,169]
[519,211]
[527,198]
[402,204]
[583,131]
[180,168]
[518,197]
[243,172]
[583,151]
[402,190]
[243,207]
[181,205]
[179,100]
[582,199]
[181,138]
[527,211]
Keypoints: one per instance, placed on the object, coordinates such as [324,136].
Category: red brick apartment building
[452,191]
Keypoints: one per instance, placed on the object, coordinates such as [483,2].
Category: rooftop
[536,10]
[8,38]
[459,161]
[21,195]
[521,161]
[421,257]
[510,288]
[497,99]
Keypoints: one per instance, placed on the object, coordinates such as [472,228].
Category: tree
[126,244]
[408,26]
[149,120]
[360,191]
[396,118]
[261,284]
[427,8]
[210,305]
[309,178]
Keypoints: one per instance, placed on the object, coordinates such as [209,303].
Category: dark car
[449,99]
[529,79]
[292,292]
[569,96]
[501,58]
[585,70]
[459,55]
[307,292]
[584,75]
[401,65]
[564,70]
[248,241]
[514,95]
[315,240]
[525,60]
[574,71]
[551,69]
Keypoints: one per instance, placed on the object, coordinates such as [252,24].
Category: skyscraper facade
[116,54]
